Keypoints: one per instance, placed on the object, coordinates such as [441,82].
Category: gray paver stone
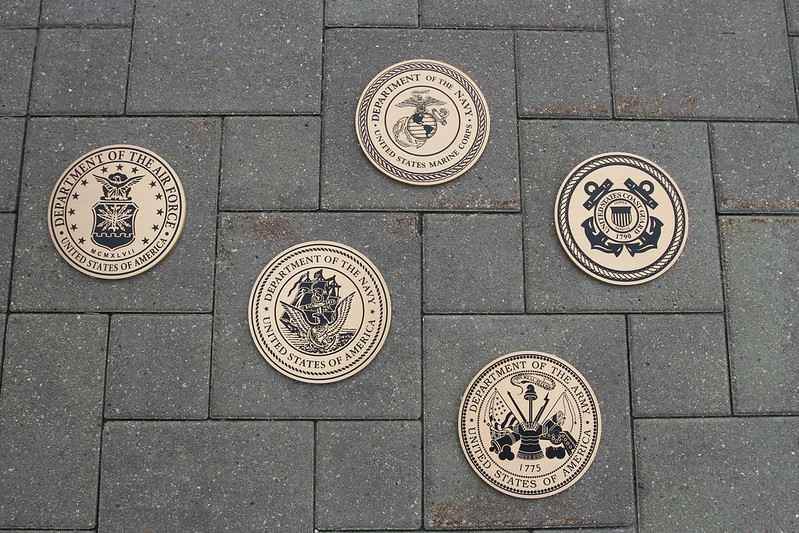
[270,163]
[550,149]
[19,12]
[354,57]
[455,349]
[473,263]
[679,365]
[369,13]
[762,293]
[87,11]
[563,74]
[15,70]
[7,221]
[158,366]
[369,475]
[717,474]
[11,134]
[80,71]
[183,281]
[701,59]
[756,167]
[226,57]
[588,14]
[50,420]
[245,385]
[207,476]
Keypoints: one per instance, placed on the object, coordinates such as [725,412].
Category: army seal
[422,122]
[116,211]
[621,218]
[319,312]
[529,424]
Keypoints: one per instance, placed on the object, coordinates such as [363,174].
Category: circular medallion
[621,218]
[116,211]
[422,122]
[529,424]
[319,312]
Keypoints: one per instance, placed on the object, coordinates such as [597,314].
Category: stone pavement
[142,405]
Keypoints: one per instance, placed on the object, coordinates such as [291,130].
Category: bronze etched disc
[621,218]
[529,424]
[319,312]
[116,211]
[422,122]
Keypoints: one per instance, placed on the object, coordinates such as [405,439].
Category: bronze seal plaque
[116,211]
[319,312]
[422,122]
[621,218]
[529,424]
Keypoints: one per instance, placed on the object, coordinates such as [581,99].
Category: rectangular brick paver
[679,352]
[270,163]
[473,263]
[80,71]
[369,475]
[354,57]
[11,134]
[694,473]
[230,57]
[15,70]
[207,476]
[455,349]
[87,11]
[563,74]
[756,167]
[50,420]
[702,59]
[7,221]
[762,292]
[589,14]
[550,149]
[19,12]
[346,13]
[158,366]
[245,385]
[183,281]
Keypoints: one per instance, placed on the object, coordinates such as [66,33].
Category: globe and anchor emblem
[414,130]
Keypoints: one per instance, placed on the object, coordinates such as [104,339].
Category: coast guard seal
[116,211]
[422,122]
[319,312]
[621,218]
[529,424]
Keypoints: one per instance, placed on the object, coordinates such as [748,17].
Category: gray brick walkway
[142,405]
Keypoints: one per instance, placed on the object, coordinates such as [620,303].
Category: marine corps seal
[621,218]
[529,424]
[422,122]
[116,211]
[319,312]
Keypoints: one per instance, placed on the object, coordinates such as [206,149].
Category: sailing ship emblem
[314,319]
[115,212]
[415,129]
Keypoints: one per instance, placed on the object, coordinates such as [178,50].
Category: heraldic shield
[114,223]
[115,212]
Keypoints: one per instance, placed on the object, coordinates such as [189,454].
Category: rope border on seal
[679,213]
[460,166]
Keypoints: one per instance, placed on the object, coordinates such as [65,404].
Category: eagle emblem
[115,212]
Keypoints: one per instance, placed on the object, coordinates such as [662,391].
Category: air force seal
[529,424]
[116,211]
[422,122]
[621,218]
[319,312]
